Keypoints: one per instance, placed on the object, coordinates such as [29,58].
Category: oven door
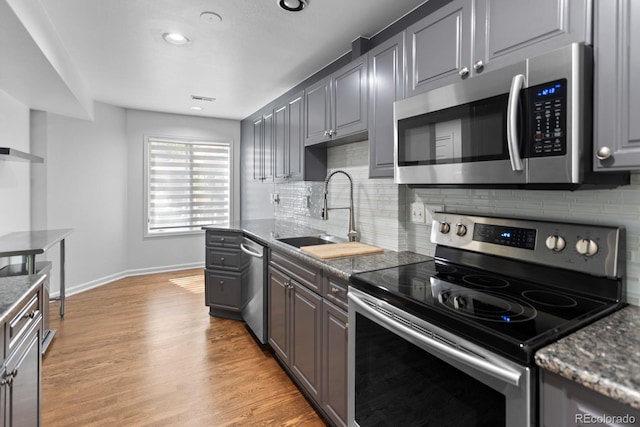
[404,371]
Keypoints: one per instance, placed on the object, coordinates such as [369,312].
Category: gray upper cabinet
[336,106]
[438,47]
[263,147]
[280,143]
[508,31]
[442,48]
[317,112]
[295,137]
[386,71]
[616,88]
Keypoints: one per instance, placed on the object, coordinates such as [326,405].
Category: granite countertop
[267,231]
[13,289]
[604,356]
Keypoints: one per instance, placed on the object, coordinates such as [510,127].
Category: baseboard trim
[127,273]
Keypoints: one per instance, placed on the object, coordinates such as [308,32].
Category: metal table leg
[62,284]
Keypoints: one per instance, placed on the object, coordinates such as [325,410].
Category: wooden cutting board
[337,250]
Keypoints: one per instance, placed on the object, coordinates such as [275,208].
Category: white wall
[168,252]
[86,190]
[15,178]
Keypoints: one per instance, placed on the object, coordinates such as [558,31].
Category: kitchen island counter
[268,231]
[604,356]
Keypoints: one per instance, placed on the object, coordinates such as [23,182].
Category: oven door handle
[491,368]
[517,83]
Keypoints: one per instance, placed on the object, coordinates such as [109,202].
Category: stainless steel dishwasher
[254,311]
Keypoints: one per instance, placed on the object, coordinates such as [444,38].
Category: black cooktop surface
[509,315]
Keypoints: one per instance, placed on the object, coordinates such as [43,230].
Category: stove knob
[443,297]
[587,247]
[461,230]
[445,227]
[555,243]
[458,302]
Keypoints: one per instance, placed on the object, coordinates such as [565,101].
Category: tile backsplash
[382,207]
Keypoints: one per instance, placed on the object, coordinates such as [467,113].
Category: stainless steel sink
[323,239]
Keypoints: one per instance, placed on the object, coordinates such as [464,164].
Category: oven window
[466,133]
[397,383]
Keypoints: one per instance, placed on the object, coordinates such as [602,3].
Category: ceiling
[254,54]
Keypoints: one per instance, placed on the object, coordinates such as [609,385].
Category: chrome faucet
[353,235]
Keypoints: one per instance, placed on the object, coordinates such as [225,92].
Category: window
[188,185]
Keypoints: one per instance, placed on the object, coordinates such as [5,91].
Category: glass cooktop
[513,316]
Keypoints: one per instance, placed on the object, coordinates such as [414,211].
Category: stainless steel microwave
[526,125]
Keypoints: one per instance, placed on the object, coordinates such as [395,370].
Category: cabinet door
[267,147]
[386,68]
[334,363]
[438,47]
[280,143]
[508,31]
[617,88]
[23,393]
[278,314]
[258,142]
[317,112]
[306,327]
[349,99]
[295,137]
[224,291]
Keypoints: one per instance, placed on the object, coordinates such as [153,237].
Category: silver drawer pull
[335,291]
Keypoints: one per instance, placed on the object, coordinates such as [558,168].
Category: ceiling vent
[202,98]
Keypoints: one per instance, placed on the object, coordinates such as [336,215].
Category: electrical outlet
[430,210]
[417,212]
[275,198]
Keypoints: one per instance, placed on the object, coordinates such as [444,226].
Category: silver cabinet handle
[326,133]
[464,72]
[478,66]
[335,291]
[604,153]
[517,83]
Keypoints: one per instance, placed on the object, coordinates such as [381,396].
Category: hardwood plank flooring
[143,351]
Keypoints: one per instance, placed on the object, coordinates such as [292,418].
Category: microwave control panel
[548,119]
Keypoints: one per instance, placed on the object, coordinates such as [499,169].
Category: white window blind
[188,185]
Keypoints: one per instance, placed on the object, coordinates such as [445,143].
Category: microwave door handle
[517,83]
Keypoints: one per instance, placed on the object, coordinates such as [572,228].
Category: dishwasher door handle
[249,251]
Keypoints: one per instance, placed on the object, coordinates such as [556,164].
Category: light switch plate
[417,212]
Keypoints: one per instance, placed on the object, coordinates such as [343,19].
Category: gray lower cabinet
[386,71]
[308,331]
[336,106]
[616,88]
[468,37]
[334,363]
[224,276]
[295,314]
[565,403]
[20,372]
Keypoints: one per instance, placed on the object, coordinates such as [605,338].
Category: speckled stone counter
[13,289]
[604,356]
[269,230]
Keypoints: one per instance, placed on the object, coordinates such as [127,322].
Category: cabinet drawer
[224,290]
[298,270]
[22,320]
[223,240]
[231,260]
[335,290]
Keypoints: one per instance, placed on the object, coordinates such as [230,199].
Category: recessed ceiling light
[293,5]
[210,17]
[196,108]
[176,38]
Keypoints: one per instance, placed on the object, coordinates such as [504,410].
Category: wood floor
[143,351]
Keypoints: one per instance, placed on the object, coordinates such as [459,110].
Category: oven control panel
[595,249]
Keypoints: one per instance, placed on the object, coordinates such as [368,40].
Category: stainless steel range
[450,342]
